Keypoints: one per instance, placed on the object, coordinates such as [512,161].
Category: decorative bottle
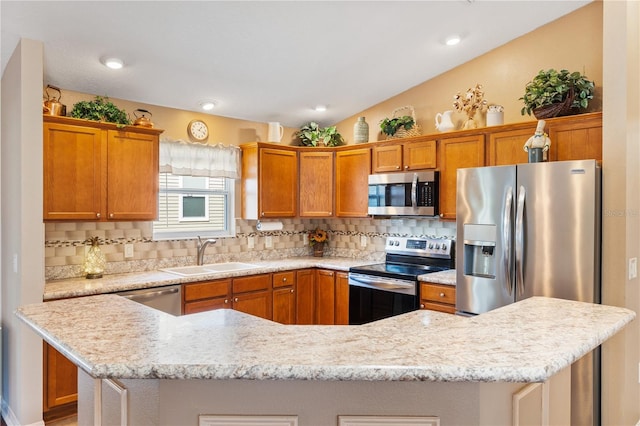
[94,261]
[360,131]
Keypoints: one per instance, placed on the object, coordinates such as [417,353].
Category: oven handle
[385,284]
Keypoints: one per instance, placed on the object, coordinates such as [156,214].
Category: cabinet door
[576,140]
[454,154]
[342,298]
[419,155]
[325,297]
[352,182]
[386,158]
[257,303]
[284,305]
[438,297]
[132,176]
[60,379]
[72,172]
[305,296]
[507,147]
[316,184]
[206,296]
[206,305]
[278,183]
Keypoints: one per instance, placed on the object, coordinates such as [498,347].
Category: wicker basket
[416,130]
[555,110]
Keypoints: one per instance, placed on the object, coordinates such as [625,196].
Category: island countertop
[529,341]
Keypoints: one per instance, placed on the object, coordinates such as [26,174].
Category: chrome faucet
[201,246]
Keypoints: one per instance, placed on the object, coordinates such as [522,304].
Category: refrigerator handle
[506,238]
[520,241]
[414,191]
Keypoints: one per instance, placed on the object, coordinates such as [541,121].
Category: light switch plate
[633,268]
[251,242]
[268,241]
[128,250]
[363,241]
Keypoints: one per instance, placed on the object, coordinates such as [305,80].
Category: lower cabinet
[438,297]
[60,386]
[332,297]
[342,298]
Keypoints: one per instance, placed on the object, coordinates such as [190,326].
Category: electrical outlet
[128,250]
[268,241]
[639,372]
[251,242]
[305,239]
[363,241]
[633,268]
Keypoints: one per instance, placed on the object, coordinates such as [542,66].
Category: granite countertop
[112,337]
[443,277]
[74,287]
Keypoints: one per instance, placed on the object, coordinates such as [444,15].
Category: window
[194,205]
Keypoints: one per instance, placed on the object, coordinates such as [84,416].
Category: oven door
[372,298]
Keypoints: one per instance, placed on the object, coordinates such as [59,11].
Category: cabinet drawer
[282,279]
[207,290]
[438,293]
[251,283]
[206,305]
[449,309]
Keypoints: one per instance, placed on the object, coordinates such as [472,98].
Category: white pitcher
[443,121]
[276,131]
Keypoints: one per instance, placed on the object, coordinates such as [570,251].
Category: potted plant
[317,240]
[390,126]
[312,134]
[100,109]
[554,93]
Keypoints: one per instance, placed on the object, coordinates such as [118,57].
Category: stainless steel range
[386,289]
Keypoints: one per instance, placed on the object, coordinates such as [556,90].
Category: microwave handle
[414,191]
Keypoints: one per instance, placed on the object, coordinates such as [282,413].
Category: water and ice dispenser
[480,250]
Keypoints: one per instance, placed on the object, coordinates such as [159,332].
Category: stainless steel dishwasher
[166,299]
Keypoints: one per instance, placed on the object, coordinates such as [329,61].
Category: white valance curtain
[194,159]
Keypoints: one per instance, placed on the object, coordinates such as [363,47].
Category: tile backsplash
[65,242]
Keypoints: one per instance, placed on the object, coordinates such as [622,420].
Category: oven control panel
[425,247]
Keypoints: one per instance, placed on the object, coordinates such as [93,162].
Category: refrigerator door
[484,220]
[557,230]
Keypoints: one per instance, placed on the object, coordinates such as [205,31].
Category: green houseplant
[100,109]
[390,126]
[554,93]
[312,134]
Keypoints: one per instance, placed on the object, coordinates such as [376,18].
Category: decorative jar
[361,131]
[94,261]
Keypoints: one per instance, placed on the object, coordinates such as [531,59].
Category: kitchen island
[422,363]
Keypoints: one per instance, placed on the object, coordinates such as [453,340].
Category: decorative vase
[469,124]
[318,249]
[94,261]
[360,131]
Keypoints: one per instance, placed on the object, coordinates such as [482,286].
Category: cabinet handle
[284,280]
[422,306]
[397,167]
[406,167]
[441,294]
[262,214]
[226,301]
[291,290]
[235,300]
[98,215]
[110,215]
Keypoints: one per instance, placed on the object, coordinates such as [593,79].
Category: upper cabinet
[352,180]
[96,172]
[411,154]
[316,183]
[269,181]
[576,138]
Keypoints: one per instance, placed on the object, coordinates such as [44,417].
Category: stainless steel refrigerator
[532,230]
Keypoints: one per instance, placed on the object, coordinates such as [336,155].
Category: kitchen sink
[211,268]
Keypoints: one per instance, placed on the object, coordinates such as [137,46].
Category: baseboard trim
[10,418]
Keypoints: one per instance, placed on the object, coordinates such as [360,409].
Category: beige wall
[573,42]
[229,131]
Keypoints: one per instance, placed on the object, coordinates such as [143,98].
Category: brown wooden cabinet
[325,297]
[316,183]
[95,171]
[453,154]
[269,181]
[60,387]
[576,138]
[506,147]
[438,297]
[305,296]
[342,298]
[352,179]
[206,296]
[411,154]
[284,297]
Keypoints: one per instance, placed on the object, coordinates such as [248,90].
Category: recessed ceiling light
[208,105]
[452,40]
[321,108]
[113,63]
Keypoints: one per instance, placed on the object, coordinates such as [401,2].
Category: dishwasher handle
[150,294]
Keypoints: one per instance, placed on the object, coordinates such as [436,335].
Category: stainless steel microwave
[404,194]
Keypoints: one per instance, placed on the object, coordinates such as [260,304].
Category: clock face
[198,130]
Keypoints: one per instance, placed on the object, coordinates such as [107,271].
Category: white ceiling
[264,60]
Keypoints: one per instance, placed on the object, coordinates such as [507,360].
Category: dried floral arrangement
[318,236]
[471,102]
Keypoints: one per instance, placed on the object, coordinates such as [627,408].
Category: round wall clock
[198,130]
